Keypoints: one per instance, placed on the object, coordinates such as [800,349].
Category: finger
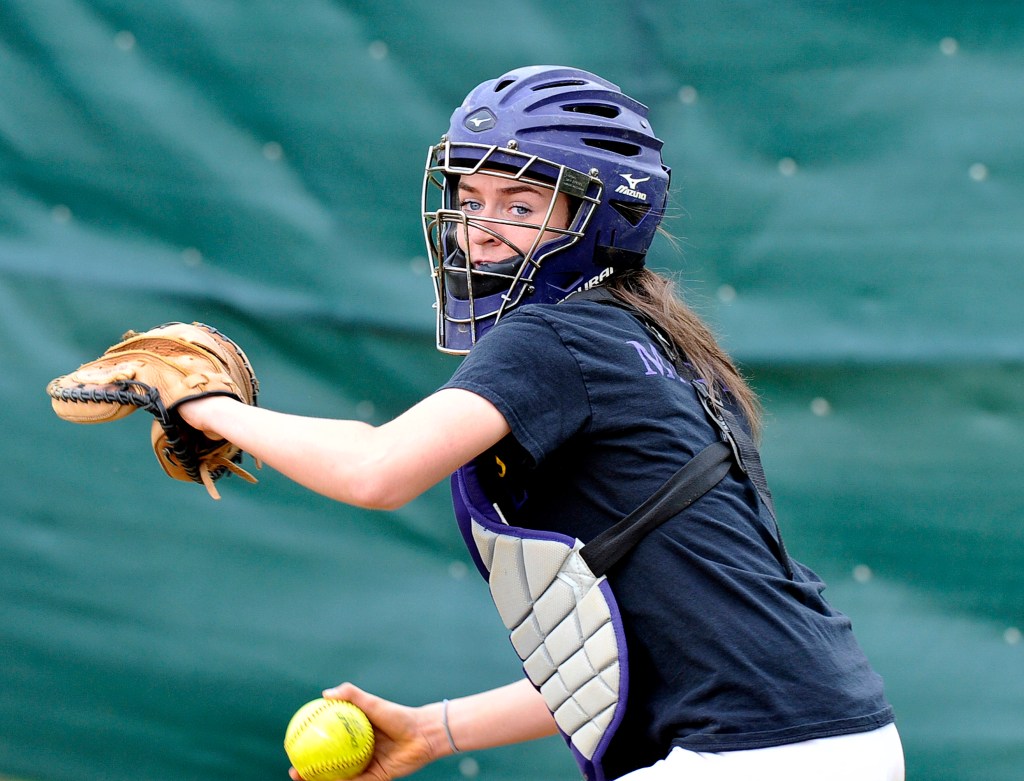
[343,691]
[379,711]
[363,700]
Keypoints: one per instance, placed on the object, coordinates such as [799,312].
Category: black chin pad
[488,278]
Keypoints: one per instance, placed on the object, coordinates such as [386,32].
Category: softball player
[689,645]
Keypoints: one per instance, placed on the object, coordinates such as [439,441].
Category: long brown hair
[655,296]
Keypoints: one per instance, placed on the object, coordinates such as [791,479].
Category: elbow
[387,474]
[383,501]
[377,490]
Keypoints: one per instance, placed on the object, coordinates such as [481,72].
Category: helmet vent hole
[596,109]
[632,212]
[559,84]
[616,147]
[503,84]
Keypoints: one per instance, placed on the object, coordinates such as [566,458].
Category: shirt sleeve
[525,370]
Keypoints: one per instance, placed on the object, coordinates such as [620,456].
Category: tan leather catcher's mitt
[156,371]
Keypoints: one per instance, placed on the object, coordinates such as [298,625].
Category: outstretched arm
[379,467]
[409,738]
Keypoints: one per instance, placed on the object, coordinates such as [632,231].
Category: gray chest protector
[553,596]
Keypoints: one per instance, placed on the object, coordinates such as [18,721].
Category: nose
[482,245]
[480,242]
[480,237]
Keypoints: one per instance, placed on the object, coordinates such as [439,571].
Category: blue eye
[469,205]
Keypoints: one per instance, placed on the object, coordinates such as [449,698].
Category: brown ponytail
[655,297]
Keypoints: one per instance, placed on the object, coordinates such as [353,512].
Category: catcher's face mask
[491,218]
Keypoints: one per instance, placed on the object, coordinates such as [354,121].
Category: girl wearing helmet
[662,638]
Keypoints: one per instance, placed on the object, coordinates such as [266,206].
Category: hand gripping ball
[328,740]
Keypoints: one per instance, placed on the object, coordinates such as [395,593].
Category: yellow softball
[327,740]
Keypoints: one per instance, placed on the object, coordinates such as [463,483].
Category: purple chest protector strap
[554,598]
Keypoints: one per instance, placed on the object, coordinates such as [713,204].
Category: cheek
[550,236]
[522,238]
[460,237]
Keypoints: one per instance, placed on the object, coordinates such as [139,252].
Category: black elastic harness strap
[737,445]
[750,459]
[698,476]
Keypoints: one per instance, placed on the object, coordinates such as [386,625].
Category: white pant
[864,756]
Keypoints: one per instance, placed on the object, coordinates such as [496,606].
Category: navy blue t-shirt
[725,651]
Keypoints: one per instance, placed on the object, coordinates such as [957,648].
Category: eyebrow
[512,189]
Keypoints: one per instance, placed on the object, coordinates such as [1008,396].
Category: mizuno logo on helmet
[480,120]
[630,187]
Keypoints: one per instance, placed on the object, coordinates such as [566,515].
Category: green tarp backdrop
[848,202]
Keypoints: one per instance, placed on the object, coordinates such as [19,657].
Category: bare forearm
[380,467]
[409,738]
[327,456]
[499,717]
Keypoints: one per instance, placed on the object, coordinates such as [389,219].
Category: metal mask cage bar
[464,159]
[509,164]
[446,162]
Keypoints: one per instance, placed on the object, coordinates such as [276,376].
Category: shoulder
[588,340]
[574,322]
[528,367]
[535,342]
[571,311]
[533,329]
[526,331]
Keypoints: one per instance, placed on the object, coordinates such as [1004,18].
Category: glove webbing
[149,400]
